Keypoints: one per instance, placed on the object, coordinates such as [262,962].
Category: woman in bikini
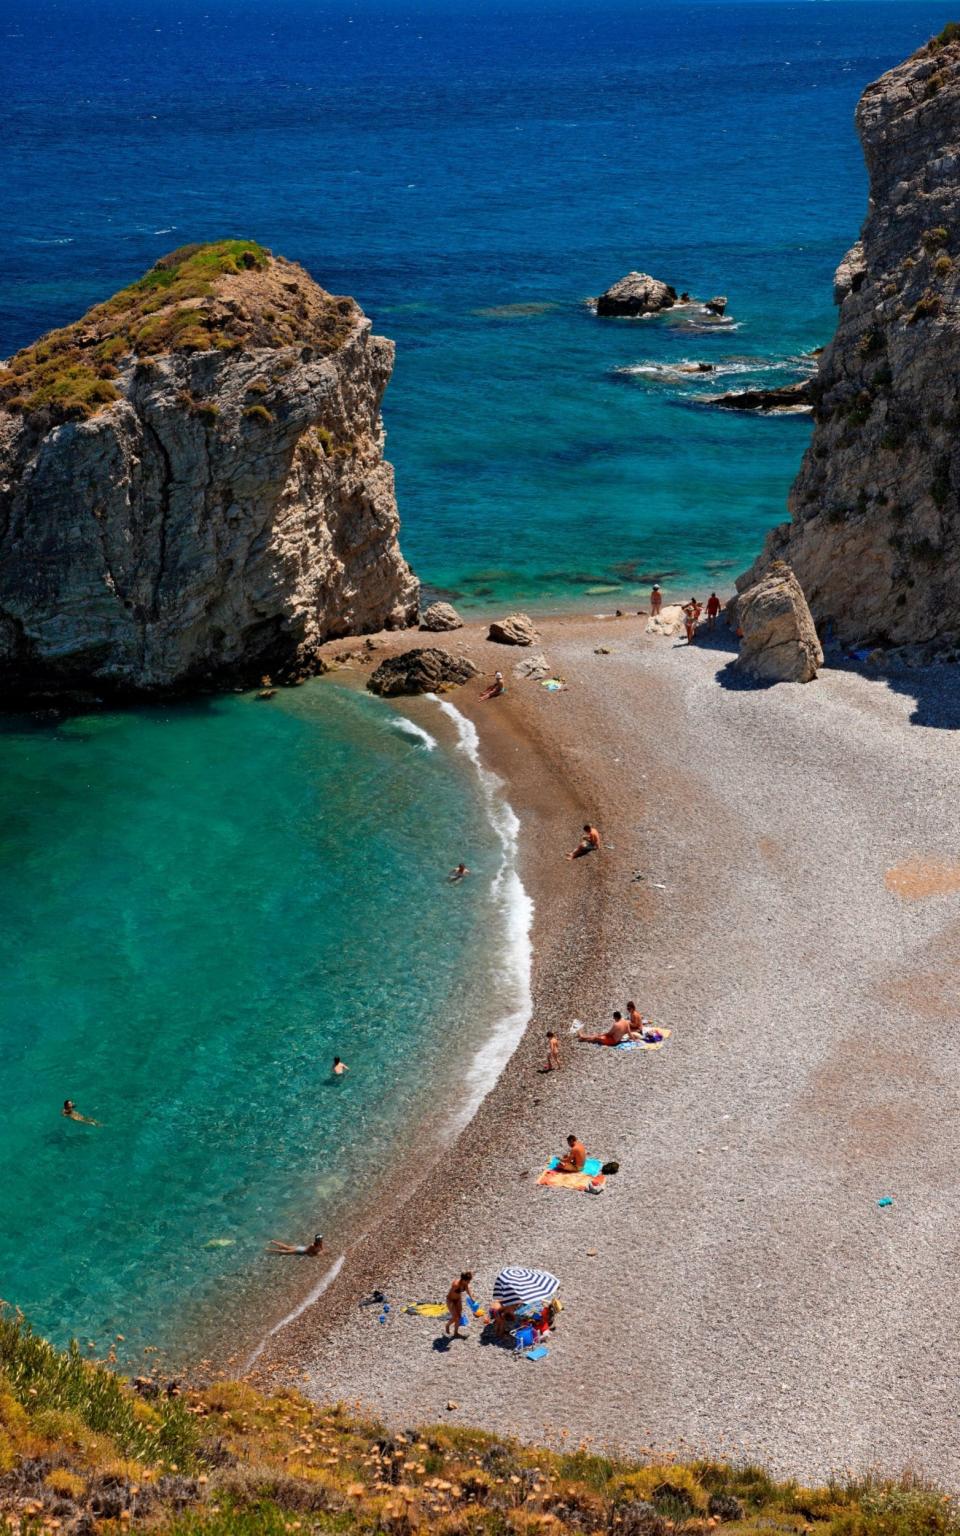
[455,1298]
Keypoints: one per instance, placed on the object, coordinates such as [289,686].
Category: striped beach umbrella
[516,1286]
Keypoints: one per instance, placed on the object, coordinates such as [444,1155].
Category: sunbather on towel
[572,1161]
[619,1030]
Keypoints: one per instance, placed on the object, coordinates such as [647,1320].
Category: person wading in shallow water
[301,1250]
[455,1298]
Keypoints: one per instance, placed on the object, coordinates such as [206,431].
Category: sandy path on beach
[798,928]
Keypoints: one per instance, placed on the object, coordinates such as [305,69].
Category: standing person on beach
[589,842]
[553,1052]
[455,1299]
[691,613]
[656,600]
[713,610]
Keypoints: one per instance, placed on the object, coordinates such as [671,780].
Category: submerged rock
[636,294]
[515,629]
[440,616]
[778,639]
[192,482]
[874,536]
[423,670]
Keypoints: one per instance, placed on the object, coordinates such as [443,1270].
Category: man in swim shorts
[589,842]
[572,1161]
[619,1030]
[302,1250]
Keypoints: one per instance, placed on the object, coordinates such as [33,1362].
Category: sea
[201,904]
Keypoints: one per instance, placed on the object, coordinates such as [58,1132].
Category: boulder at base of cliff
[669,621]
[425,670]
[515,629]
[440,616]
[779,642]
[636,294]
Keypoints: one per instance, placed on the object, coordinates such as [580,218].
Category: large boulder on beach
[779,642]
[440,616]
[423,670]
[515,629]
[668,622]
[636,294]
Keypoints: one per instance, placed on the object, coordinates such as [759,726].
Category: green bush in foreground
[82,1451]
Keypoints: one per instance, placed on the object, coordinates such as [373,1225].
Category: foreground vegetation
[83,1451]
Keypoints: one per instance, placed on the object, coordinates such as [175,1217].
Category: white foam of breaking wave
[322,1285]
[514,909]
[411,728]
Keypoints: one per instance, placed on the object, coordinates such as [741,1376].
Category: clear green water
[201,906]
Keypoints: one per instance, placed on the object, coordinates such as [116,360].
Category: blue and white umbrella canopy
[516,1286]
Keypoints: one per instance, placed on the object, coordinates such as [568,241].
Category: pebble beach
[780,886]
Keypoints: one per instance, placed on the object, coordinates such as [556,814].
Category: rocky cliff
[875,531]
[192,482]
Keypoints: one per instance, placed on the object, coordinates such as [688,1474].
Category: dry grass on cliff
[220,296]
[82,1451]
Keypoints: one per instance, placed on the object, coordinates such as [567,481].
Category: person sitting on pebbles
[619,1030]
[589,842]
[573,1160]
[495,689]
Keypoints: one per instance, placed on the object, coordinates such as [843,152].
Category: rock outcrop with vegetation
[875,531]
[192,482]
[83,1451]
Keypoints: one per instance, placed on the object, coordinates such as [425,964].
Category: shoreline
[742,1234]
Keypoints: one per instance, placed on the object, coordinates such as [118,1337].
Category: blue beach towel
[592,1165]
[540,1353]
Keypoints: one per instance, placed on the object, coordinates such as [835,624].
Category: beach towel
[427,1309]
[554,684]
[592,1165]
[578,1181]
[644,1045]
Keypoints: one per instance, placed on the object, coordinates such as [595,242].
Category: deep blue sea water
[200,905]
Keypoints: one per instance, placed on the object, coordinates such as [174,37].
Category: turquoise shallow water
[201,906]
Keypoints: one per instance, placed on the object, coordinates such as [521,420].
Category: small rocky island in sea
[192,482]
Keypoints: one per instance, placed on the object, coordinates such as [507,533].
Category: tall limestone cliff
[875,531]
[192,482]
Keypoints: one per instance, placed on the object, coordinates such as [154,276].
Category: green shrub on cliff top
[950,34]
[68,373]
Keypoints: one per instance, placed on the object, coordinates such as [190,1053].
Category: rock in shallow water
[636,294]
[779,642]
[423,670]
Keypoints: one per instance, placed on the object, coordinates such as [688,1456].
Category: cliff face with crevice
[192,482]
[874,536]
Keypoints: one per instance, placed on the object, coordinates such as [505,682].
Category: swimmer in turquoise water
[300,1251]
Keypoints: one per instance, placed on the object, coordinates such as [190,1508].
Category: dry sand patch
[918,877]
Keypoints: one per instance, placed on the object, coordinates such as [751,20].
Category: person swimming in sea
[71,1112]
[339,1067]
[459,873]
[298,1250]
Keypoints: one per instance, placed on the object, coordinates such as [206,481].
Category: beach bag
[610,1168]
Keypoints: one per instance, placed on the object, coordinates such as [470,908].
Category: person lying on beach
[457,874]
[572,1161]
[301,1250]
[339,1067]
[589,842]
[495,689]
[553,1052]
[455,1298]
[70,1112]
[619,1030]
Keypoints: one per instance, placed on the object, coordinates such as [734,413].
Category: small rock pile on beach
[515,629]
[424,670]
[779,641]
